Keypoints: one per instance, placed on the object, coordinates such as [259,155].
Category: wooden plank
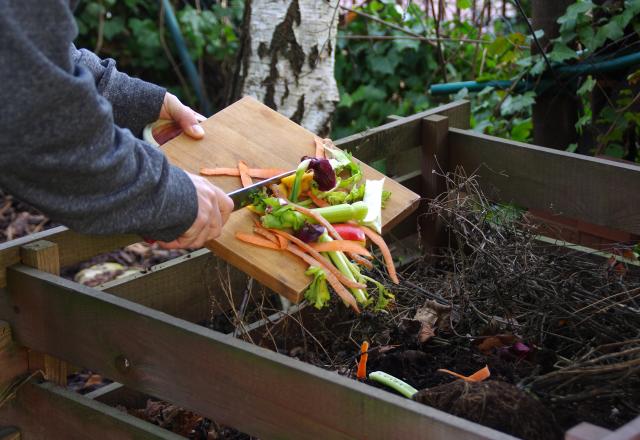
[43,255]
[13,358]
[586,431]
[188,287]
[250,131]
[385,140]
[73,247]
[599,191]
[434,163]
[235,383]
[630,431]
[45,411]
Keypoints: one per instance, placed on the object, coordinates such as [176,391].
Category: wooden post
[43,255]
[555,111]
[434,163]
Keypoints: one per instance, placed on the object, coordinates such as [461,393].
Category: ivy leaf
[516,103]
[463,4]
[587,86]
[561,52]
[572,148]
[522,131]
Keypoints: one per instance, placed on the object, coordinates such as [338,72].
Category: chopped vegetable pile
[323,214]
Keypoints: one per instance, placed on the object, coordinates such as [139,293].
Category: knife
[241,196]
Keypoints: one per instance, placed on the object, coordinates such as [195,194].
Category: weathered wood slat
[45,411]
[402,134]
[13,358]
[184,287]
[597,190]
[73,247]
[235,383]
[44,255]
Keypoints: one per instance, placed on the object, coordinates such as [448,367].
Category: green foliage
[133,32]
[379,77]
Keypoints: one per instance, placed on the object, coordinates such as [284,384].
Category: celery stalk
[343,264]
[295,188]
[393,382]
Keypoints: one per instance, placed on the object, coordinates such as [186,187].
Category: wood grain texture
[44,412]
[235,383]
[250,131]
[598,191]
[43,255]
[401,134]
[13,358]
[433,164]
[191,287]
[73,247]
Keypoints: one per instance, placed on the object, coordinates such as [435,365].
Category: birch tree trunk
[287,59]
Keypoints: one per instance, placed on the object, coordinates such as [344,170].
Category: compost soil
[558,328]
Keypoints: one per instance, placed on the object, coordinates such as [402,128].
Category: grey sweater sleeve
[60,149]
[134,102]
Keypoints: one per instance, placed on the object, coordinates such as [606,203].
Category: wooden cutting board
[250,131]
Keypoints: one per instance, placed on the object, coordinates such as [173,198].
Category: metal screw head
[122,363]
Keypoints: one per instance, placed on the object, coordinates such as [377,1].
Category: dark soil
[559,328]
[493,403]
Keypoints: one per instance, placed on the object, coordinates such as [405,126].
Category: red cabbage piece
[310,233]
[323,173]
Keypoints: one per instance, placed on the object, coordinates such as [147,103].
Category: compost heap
[560,325]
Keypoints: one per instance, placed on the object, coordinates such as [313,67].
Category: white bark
[291,61]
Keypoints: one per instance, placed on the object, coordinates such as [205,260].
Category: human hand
[188,119]
[214,208]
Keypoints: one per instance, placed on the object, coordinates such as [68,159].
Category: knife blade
[241,196]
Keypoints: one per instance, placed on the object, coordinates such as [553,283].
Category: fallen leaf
[429,315]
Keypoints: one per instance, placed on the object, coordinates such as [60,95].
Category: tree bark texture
[287,59]
[555,112]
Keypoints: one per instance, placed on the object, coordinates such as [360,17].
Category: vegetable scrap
[362,364]
[324,213]
[478,376]
[394,383]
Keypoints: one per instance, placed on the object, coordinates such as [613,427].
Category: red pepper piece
[350,232]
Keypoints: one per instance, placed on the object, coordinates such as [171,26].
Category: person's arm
[61,151]
[135,103]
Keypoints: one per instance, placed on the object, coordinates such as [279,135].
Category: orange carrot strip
[362,365]
[256,240]
[478,376]
[268,235]
[219,172]
[319,147]
[325,264]
[388,260]
[318,202]
[265,173]
[361,261]
[244,174]
[257,173]
[341,246]
[282,241]
[320,219]
[330,230]
[342,292]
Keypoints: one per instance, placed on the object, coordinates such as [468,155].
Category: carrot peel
[478,376]
[244,174]
[362,364]
[256,240]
